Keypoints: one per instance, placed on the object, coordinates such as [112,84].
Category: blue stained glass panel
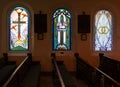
[61,30]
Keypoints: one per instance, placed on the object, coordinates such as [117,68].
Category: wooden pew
[104,80]
[110,66]
[61,76]
[6,68]
[84,71]
[93,75]
[27,74]
[4,61]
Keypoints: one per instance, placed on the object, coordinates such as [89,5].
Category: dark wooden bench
[104,80]
[110,66]
[6,68]
[62,77]
[84,71]
[94,76]
[27,74]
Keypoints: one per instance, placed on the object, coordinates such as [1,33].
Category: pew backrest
[110,66]
[13,80]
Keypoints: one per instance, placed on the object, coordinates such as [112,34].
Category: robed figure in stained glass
[19,29]
[62,30]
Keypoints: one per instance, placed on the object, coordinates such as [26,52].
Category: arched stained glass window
[61,30]
[103,31]
[19,29]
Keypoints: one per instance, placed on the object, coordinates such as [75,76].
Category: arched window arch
[19,29]
[103,31]
[61,30]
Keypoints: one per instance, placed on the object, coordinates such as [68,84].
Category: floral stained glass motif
[61,30]
[19,29]
[103,31]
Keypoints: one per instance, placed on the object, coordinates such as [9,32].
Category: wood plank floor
[46,81]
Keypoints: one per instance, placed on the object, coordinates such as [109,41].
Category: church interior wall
[42,49]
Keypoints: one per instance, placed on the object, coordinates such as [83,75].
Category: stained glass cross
[19,22]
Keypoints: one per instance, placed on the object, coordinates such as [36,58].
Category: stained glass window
[103,31]
[61,30]
[19,29]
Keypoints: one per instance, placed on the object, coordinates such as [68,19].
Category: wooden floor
[46,81]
